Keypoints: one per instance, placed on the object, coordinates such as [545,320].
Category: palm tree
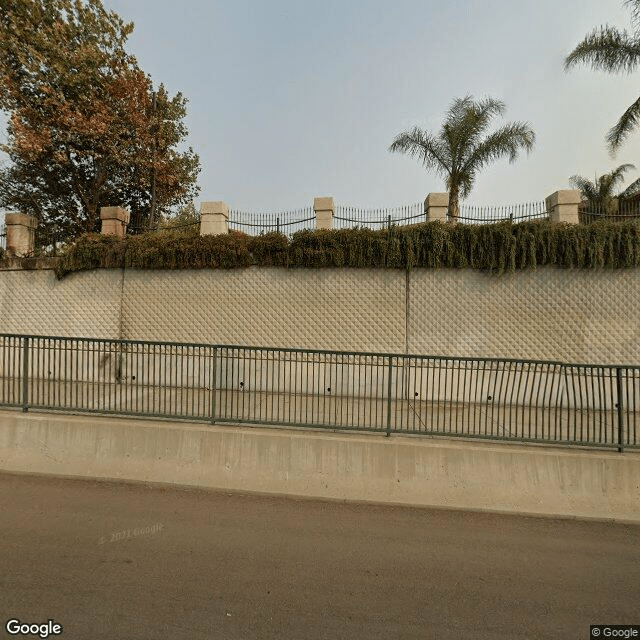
[458,151]
[613,50]
[600,192]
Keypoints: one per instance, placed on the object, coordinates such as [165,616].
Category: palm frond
[468,110]
[466,120]
[422,145]
[589,190]
[491,106]
[457,109]
[606,49]
[602,189]
[506,141]
[627,123]
[632,190]
[635,12]
[616,177]
[467,181]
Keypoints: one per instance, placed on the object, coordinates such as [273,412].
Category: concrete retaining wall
[400,470]
[559,314]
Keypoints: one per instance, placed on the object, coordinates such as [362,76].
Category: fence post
[20,230]
[114,221]
[25,375]
[562,206]
[324,209]
[214,382]
[620,410]
[214,218]
[389,376]
[436,206]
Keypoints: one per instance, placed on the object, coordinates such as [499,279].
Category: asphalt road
[133,562]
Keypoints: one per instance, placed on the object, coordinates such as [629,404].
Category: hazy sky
[291,99]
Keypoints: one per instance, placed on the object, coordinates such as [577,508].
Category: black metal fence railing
[165,226]
[474,214]
[348,217]
[49,240]
[615,211]
[490,398]
[287,222]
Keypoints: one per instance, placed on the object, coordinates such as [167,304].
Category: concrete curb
[430,472]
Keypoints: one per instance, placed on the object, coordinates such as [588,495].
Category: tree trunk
[454,203]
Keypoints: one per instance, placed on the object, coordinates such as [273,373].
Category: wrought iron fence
[50,239]
[490,398]
[474,214]
[287,222]
[164,226]
[616,211]
[347,217]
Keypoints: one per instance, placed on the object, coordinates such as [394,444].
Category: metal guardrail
[489,398]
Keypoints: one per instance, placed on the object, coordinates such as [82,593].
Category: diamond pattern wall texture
[85,304]
[588,316]
[341,309]
[572,315]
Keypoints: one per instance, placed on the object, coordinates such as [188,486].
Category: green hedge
[498,248]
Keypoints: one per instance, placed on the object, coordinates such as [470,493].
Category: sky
[294,99]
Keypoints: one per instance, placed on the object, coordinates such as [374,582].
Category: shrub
[498,248]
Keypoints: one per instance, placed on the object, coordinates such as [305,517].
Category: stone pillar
[114,221]
[436,206]
[324,209]
[21,231]
[563,206]
[214,218]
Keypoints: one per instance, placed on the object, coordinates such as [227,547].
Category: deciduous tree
[86,127]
